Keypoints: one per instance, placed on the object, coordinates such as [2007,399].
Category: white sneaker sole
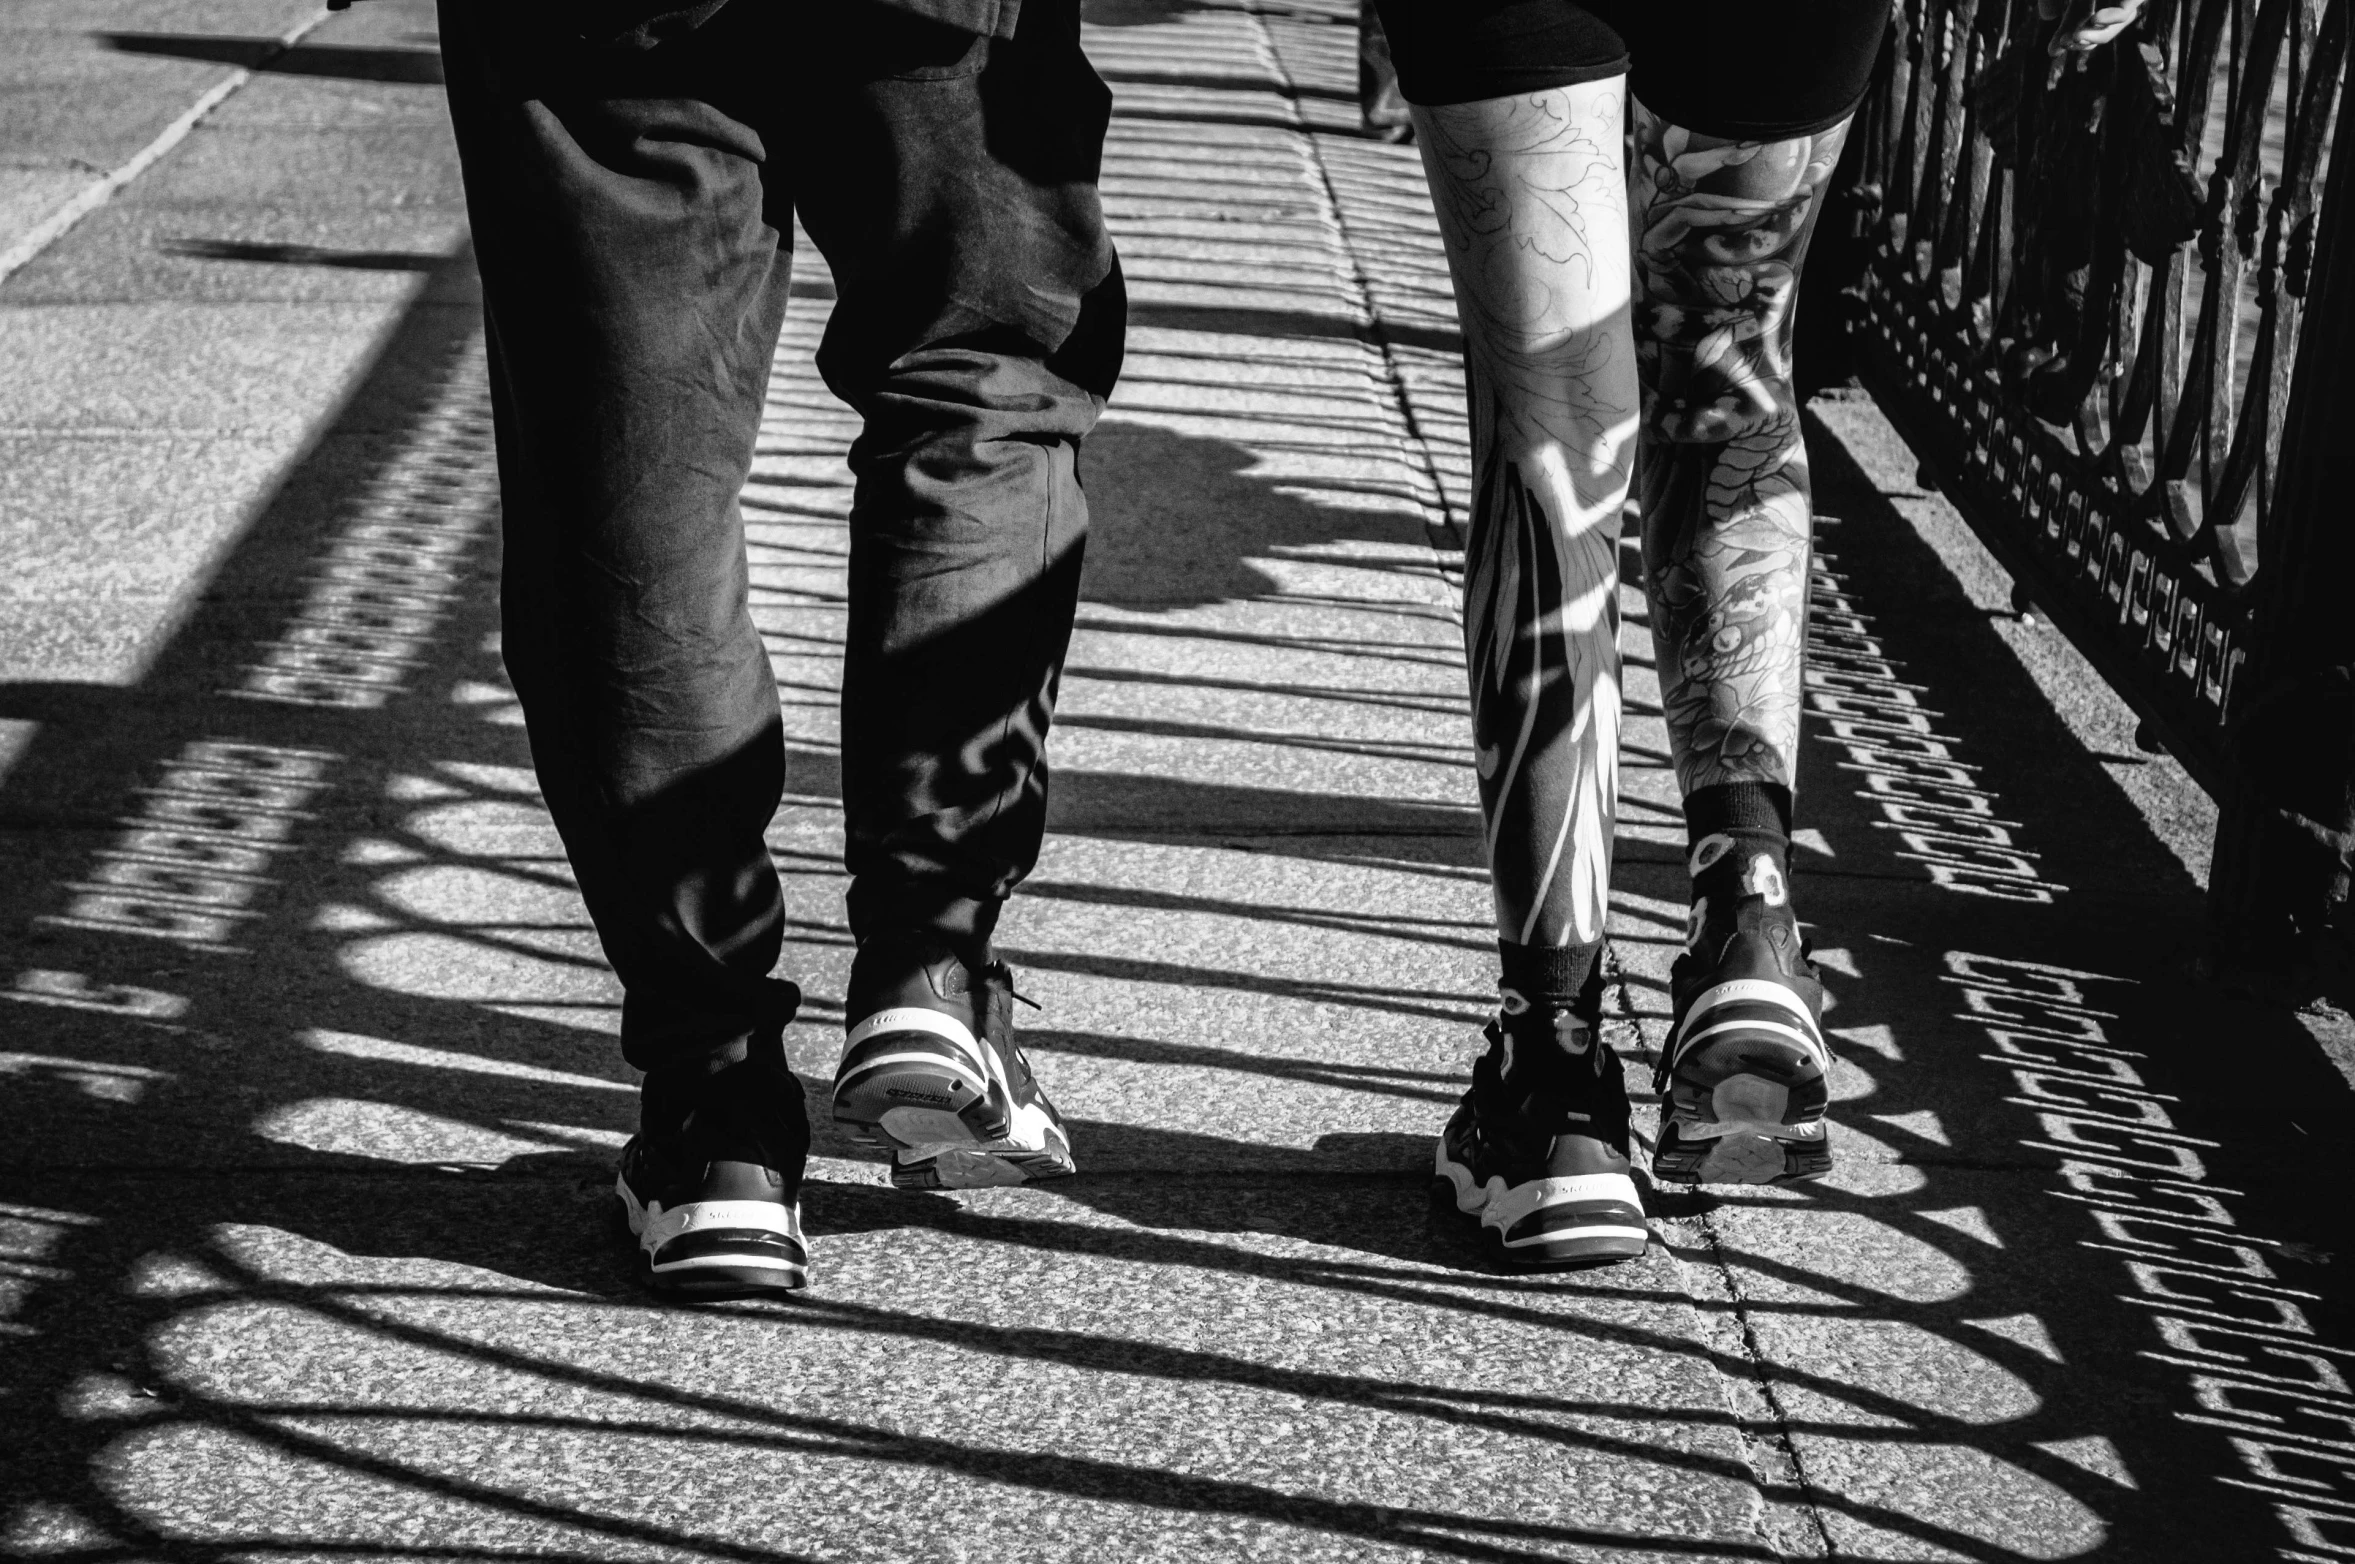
[717,1247]
[1587,1217]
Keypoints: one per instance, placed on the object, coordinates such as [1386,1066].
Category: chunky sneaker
[711,1184]
[1538,1148]
[930,1072]
[1744,1078]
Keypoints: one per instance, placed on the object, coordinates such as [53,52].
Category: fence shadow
[314,1092]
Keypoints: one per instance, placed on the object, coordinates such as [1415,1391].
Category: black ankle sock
[1546,974]
[1731,827]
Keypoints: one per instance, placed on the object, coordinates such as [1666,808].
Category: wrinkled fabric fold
[631,209]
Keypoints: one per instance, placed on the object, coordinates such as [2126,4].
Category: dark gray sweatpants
[631,205]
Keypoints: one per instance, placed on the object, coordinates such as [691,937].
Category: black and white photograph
[1176,781]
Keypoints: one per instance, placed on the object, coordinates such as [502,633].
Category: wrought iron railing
[2082,303]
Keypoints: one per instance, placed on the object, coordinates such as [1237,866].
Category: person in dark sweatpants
[632,171]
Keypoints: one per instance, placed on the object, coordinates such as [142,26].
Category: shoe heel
[1765,1102]
[984,1167]
[1760,1125]
[1739,1157]
[906,1110]
[917,1087]
[944,1104]
[719,1247]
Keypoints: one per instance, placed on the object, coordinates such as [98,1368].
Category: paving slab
[173,355]
[80,106]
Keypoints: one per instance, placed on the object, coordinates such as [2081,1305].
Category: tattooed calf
[1721,231]
[1541,631]
[1532,204]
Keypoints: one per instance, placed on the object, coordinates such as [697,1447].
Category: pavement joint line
[1781,1472]
[104,189]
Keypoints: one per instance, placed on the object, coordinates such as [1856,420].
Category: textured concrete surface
[172,358]
[88,84]
[307,1046]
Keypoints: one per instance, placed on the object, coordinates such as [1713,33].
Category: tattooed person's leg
[1531,197]
[1531,200]
[1721,228]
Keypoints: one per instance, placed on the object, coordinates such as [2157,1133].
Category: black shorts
[1758,70]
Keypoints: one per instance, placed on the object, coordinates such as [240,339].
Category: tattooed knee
[1721,229]
[1712,391]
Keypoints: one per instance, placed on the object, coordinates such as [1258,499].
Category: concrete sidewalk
[314,1095]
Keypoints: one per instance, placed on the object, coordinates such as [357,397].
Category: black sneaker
[930,1072]
[1538,1148]
[1745,1076]
[711,1184]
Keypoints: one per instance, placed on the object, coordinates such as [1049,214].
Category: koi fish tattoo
[1721,231]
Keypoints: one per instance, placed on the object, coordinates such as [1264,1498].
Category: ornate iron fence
[2082,303]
